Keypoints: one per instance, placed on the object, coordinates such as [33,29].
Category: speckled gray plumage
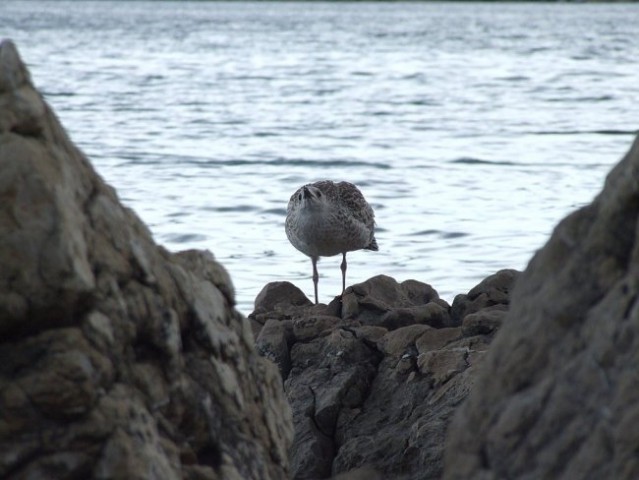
[326,218]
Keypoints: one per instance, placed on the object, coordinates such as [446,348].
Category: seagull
[325,218]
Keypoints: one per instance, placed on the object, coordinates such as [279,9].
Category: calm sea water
[472,129]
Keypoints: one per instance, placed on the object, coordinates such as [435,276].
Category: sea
[471,128]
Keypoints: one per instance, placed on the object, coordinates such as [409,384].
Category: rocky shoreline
[374,378]
[119,359]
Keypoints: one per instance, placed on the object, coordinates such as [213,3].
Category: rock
[280,301]
[306,328]
[369,334]
[210,270]
[493,290]
[436,338]
[364,473]
[118,358]
[401,341]
[373,387]
[442,365]
[329,373]
[381,301]
[273,341]
[556,395]
[484,321]
[278,294]
[432,314]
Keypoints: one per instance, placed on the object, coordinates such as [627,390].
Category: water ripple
[470,133]
[630,133]
[478,161]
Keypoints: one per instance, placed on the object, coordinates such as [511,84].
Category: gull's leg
[315,276]
[343,268]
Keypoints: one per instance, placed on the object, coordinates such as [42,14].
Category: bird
[325,218]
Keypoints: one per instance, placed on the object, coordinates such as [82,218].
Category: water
[472,129]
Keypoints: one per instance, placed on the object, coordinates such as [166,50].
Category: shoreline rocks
[373,380]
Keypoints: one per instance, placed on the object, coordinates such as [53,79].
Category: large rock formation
[558,393]
[118,359]
[374,379]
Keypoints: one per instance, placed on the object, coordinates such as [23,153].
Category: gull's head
[308,197]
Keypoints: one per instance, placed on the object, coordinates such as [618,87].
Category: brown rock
[436,338]
[369,333]
[557,393]
[442,365]
[397,342]
[118,359]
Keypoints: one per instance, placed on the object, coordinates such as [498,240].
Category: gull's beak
[307,193]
